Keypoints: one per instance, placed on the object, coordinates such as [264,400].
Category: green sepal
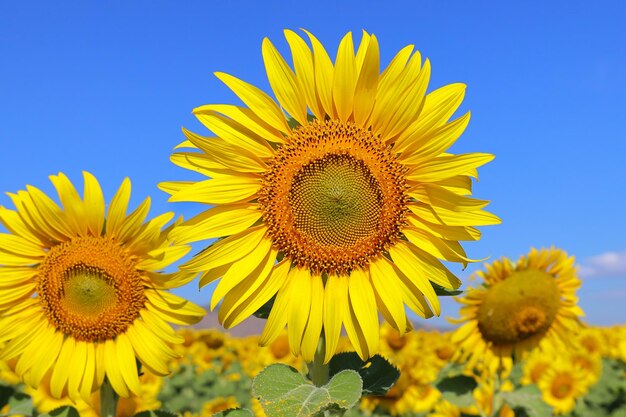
[445,292]
[377,373]
[264,311]
[283,391]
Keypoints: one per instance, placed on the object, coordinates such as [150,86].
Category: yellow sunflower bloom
[519,307]
[561,384]
[81,295]
[342,210]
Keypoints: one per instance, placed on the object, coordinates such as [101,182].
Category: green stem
[318,371]
[108,400]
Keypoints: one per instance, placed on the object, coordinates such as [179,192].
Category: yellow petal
[335,302]
[113,371]
[389,292]
[222,190]
[132,224]
[177,310]
[367,84]
[313,329]
[219,153]
[324,75]
[345,78]
[247,287]
[50,213]
[77,369]
[403,259]
[283,82]
[72,203]
[128,363]
[227,250]
[436,195]
[61,369]
[147,353]
[305,75]
[235,134]
[274,281]
[438,107]
[20,246]
[355,334]
[257,100]
[86,386]
[416,148]
[447,166]
[117,208]
[363,304]
[217,222]
[300,307]
[240,269]
[245,117]
[94,204]
[453,218]
[280,311]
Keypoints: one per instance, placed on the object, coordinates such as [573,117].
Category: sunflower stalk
[108,400]
[319,372]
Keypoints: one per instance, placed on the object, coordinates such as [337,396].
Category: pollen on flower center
[521,306]
[90,289]
[334,197]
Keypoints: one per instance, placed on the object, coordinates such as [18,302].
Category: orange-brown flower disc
[523,305]
[90,288]
[334,197]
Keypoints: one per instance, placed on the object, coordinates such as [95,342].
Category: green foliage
[526,401]
[20,404]
[65,411]
[156,413]
[234,412]
[188,389]
[455,386]
[264,311]
[608,396]
[377,373]
[444,292]
[6,392]
[283,391]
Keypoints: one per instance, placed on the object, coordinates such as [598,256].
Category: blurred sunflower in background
[343,208]
[519,307]
[81,296]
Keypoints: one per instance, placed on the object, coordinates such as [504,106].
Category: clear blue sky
[106,87]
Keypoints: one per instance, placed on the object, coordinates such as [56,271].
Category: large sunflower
[81,298]
[343,209]
[520,307]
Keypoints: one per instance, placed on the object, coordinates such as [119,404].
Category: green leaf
[65,411]
[282,391]
[377,374]
[6,392]
[457,389]
[529,399]
[156,413]
[234,412]
[444,292]
[264,311]
[21,404]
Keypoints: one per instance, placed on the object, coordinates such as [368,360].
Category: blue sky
[106,87]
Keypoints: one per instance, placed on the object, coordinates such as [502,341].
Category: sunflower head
[82,294]
[338,196]
[520,306]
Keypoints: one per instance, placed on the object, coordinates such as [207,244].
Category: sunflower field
[214,373]
[333,210]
